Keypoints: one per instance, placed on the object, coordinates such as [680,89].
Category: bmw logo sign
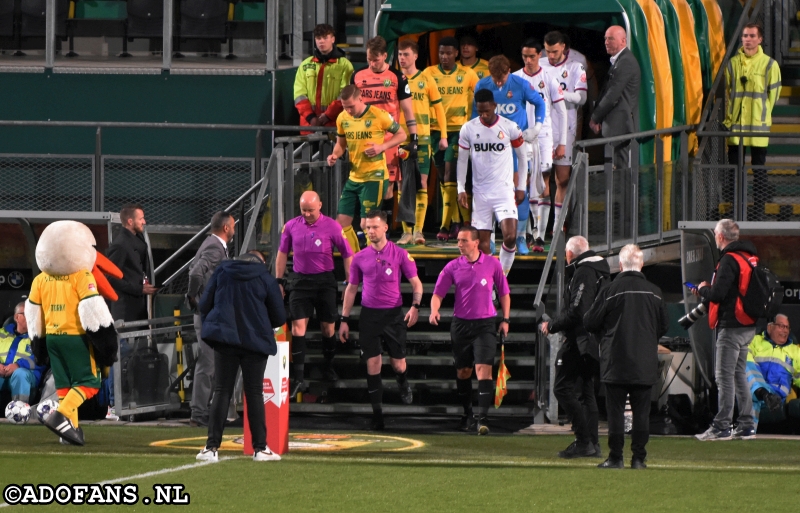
[16,279]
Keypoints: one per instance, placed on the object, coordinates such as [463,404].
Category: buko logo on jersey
[506,108]
[497,147]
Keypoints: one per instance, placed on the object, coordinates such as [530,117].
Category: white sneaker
[111,414]
[208,455]
[405,239]
[266,455]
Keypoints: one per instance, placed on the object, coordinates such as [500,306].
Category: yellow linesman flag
[501,389]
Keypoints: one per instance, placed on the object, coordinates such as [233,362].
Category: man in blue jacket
[241,305]
[18,371]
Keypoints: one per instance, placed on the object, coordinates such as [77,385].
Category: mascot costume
[68,320]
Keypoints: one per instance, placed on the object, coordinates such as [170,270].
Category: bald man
[616,111]
[312,237]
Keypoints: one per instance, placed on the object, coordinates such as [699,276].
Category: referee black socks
[402,378]
[329,348]
[299,357]
[485,395]
[375,389]
[464,388]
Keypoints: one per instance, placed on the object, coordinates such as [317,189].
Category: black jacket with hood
[589,272]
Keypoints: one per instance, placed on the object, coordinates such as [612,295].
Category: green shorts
[424,159]
[72,361]
[368,195]
[448,155]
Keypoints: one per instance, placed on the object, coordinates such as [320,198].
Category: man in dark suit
[128,251]
[616,111]
[212,251]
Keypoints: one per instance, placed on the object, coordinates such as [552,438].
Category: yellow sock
[466,214]
[420,210]
[450,207]
[352,238]
[69,405]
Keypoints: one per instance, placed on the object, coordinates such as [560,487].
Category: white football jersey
[576,56]
[490,148]
[548,88]
[571,75]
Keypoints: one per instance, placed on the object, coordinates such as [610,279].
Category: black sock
[299,357]
[402,378]
[464,388]
[485,395]
[388,206]
[328,348]
[375,389]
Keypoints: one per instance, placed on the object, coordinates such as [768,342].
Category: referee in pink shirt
[378,269]
[312,236]
[473,330]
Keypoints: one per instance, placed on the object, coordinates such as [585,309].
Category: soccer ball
[18,412]
[45,408]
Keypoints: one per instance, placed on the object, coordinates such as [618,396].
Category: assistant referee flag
[503,376]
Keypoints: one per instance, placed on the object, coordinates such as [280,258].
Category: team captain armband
[516,143]
[394,127]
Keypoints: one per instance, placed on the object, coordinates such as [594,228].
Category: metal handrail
[586,143]
[174,126]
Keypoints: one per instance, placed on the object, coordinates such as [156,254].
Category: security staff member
[379,268]
[752,87]
[312,236]
[473,330]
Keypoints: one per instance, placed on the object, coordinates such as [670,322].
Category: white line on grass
[145,475]
[528,463]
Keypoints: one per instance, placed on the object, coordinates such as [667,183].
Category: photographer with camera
[735,330]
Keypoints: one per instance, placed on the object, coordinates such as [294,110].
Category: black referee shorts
[312,292]
[474,342]
[382,324]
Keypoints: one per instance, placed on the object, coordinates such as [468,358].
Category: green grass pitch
[434,472]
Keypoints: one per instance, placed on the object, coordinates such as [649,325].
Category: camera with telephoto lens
[696,313]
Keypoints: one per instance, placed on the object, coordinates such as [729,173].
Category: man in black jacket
[630,316]
[128,251]
[578,358]
[736,330]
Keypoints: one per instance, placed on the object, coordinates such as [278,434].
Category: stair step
[790,90]
[439,337]
[776,148]
[447,314]
[419,360]
[416,384]
[785,110]
[785,120]
[398,409]
[785,128]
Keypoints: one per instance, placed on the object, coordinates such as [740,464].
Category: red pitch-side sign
[276,400]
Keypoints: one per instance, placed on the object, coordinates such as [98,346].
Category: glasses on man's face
[781,326]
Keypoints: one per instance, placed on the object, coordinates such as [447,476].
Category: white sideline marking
[142,475]
[530,463]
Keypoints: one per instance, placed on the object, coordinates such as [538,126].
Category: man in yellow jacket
[752,86]
[773,372]
[319,80]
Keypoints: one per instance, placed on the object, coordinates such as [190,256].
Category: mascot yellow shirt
[59,297]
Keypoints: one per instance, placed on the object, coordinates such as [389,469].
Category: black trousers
[761,193]
[574,389]
[615,407]
[227,360]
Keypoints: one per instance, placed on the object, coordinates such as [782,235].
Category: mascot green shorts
[72,361]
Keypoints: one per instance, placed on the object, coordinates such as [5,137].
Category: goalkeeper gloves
[530,134]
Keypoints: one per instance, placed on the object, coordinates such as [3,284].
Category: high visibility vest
[750,101]
[780,365]
[15,348]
